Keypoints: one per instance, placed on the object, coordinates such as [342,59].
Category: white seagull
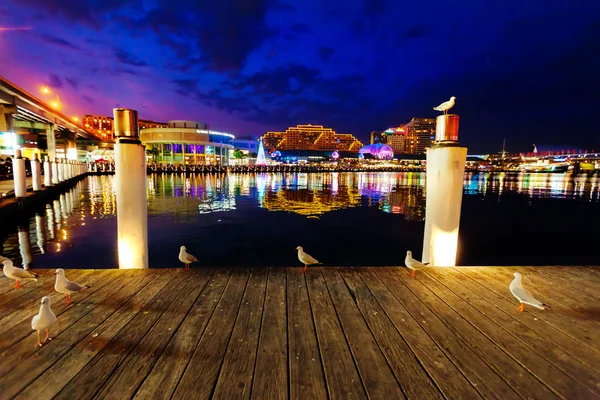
[305,258]
[43,321]
[445,106]
[412,264]
[186,257]
[523,295]
[63,285]
[16,273]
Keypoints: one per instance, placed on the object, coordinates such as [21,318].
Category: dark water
[340,219]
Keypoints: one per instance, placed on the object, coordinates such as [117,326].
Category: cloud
[127,58]
[59,41]
[88,99]
[55,81]
[71,82]
[325,53]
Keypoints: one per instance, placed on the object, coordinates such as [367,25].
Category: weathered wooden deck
[332,333]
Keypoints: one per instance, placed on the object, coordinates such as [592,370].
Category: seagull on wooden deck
[186,257]
[445,106]
[67,287]
[305,258]
[16,273]
[412,264]
[43,321]
[523,295]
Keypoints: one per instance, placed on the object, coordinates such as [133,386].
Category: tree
[154,152]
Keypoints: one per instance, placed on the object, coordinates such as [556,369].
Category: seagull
[305,258]
[413,264]
[43,321]
[63,285]
[186,257]
[17,273]
[523,295]
[445,106]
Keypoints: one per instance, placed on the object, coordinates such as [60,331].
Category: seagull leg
[68,299]
[412,273]
[305,268]
[187,266]
[39,343]
[521,307]
[17,284]
[48,338]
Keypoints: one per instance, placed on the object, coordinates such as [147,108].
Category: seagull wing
[308,259]
[73,286]
[190,258]
[34,321]
[523,295]
[22,274]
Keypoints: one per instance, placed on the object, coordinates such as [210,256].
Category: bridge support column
[6,118]
[51,140]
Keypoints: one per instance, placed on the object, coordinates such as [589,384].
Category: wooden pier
[339,333]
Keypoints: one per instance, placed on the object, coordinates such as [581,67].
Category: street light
[55,104]
[75,119]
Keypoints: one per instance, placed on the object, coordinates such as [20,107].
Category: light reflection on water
[182,200]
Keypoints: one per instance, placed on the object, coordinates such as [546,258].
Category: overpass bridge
[52,130]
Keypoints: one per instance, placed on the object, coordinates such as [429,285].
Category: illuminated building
[187,142]
[379,137]
[310,137]
[420,134]
[396,139]
[102,126]
[378,150]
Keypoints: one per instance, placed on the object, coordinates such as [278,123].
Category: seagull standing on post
[67,287]
[523,295]
[186,257]
[445,106]
[18,274]
[43,321]
[305,258]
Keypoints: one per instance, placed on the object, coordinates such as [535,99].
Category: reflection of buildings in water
[25,246]
[311,202]
[40,230]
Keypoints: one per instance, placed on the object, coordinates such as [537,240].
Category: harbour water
[342,219]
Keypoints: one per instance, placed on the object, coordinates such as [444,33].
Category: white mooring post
[130,181]
[36,173]
[47,172]
[446,161]
[19,175]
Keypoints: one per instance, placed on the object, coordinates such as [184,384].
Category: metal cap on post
[126,123]
[446,128]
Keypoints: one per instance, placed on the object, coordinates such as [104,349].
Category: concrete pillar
[54,169]
[6,117]
[130,182]
[61,170]
[446,161]
[36,173]
[47,172]
[51,141]
[19,175]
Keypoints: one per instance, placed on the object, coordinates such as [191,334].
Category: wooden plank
[28,305]
[58,375]
[542,335]
[378,379]
[588,275]
[568,321]
[22,329]
[99,369]
[199,378]
[271,372]
[519,379]
[458,371]
[237,370]
[130,374]
[74,325]
[7,285]
[403,362]
[306,376]
[537,357]
[342,378]
[166,373]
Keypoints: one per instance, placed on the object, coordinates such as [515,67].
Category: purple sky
[519,71]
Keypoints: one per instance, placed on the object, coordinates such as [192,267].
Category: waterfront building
[187,142]
[420,134]
[311,137]
[378,150]
[396,139]
[248,145]
[379,137]
[103,126]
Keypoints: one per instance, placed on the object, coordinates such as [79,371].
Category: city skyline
[518,72]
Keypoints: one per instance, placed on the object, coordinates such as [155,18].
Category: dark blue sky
[524,70]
